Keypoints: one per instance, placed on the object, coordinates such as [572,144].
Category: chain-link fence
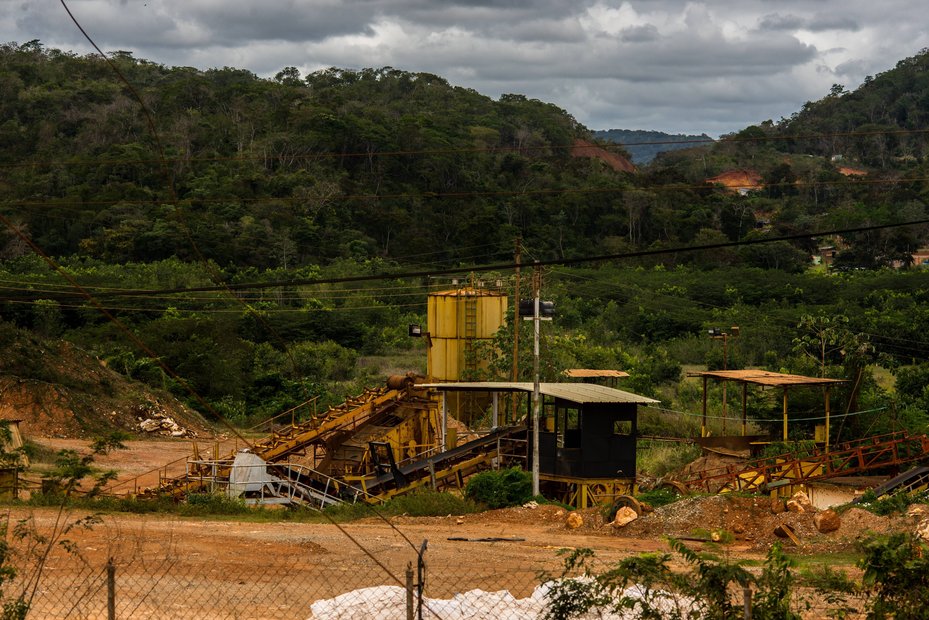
[157,567]
[173,568]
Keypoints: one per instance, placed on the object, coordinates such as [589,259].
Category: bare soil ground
[171,566]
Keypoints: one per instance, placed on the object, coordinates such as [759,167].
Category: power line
[510,266]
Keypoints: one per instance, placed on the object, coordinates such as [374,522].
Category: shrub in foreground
[500,489]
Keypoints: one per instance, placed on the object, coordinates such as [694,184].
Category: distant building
[921,258]
[826,255]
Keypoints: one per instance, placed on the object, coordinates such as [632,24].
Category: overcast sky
[688,67]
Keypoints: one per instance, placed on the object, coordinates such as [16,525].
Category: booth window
[622,427]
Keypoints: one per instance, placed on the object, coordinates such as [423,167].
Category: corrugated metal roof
[590,373]
[765,377]
[581,393]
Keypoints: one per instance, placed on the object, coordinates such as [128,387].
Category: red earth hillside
[583,148]
[737,180]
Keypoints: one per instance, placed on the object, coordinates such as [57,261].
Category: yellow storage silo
[458,320]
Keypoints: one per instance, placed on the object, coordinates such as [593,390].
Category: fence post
[110,589]
[421,579]
[409,591]
[747,602]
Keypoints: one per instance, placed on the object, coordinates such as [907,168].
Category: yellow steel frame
[588,492]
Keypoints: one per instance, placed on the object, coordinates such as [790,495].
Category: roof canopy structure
[584,373]
[766,378]
[580,393]
[591,373]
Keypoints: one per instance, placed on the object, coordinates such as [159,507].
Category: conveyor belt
[416,471]
[907,481]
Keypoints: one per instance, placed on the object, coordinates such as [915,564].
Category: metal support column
[827,417]
[785,414]
[744,409]
[703,423]
[444,420]
[536,400]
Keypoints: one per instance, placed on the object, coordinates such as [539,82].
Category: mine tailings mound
[58,390]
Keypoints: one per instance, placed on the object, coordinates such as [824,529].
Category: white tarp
[249,474]
[389,603]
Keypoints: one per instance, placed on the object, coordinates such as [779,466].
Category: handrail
[861,455]
[279,481]
[283,413]
[329,479]
[135,478]
[121,483]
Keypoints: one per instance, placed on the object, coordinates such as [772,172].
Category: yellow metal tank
[458,320]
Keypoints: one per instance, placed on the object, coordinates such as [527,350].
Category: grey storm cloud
[781,22]
[640,34]
[677,65]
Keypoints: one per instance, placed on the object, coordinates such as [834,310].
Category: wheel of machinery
[675,486]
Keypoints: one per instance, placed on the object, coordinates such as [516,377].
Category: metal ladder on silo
[470,331]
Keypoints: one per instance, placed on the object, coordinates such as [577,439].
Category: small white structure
[825,494]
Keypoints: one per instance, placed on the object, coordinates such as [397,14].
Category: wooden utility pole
[517,255]
[536,397]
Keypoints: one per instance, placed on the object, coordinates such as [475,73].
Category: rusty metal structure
[884,453]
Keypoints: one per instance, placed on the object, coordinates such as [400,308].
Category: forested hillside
[285,172]
[342,174]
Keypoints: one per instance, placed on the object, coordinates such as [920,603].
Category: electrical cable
[766,420]
[510,266]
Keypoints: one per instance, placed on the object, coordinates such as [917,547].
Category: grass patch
[38,453]
[656,498]
[658,458]
[720,536]
[425,503]
[814,562]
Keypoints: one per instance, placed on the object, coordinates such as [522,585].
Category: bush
[896,576]
[499,489]
[213,504]
[898,502]
[658,459]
